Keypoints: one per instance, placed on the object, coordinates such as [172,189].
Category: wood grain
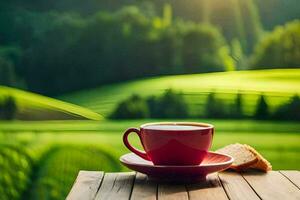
[293,176]
[143,188]
[236,187]
[116,186]
[172,192]
[209,189]
[272,185]
[86,185]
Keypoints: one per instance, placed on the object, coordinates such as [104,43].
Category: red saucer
[213,162]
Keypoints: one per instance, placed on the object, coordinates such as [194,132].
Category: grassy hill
[37,107]
[277,84]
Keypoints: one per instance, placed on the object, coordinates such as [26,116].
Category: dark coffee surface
[174,127]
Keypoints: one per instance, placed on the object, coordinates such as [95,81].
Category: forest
[54,47]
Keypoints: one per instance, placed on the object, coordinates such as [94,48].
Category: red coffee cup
[172,143]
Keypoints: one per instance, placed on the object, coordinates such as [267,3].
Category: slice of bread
[262,163]
[245,157]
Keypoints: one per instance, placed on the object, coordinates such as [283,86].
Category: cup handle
[140,153]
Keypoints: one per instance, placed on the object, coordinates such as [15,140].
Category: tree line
[77,53]
[54,51]
[172,104]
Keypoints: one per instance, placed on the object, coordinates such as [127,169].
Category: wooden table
[281,185]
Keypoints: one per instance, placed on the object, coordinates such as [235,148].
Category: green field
[48,155]
[278,142]
[40,159]
[277,84]
[37,107]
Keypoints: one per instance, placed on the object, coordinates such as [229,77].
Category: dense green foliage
[63,46]
[169,105]
[7,73]
[236,109]
[127,42]
[262,109]
[173,105]
[8,108]
[278,86]
[289,111]
[272,12]
[280,48]
[132,108]
[214,108]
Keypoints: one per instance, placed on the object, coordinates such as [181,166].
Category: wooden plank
[172,192]
[143,188]
[116,186]
[86,185]
[272,185]
[236,187]
[209,189]
[293,176]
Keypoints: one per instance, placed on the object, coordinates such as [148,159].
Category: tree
[252,28]
[289,111]
[214,108]
[7,73]
[202,49]
[229,19]
[280,49]
[237,107]
[125,41]
[171,105]
[152,103]
[262,109]
[134,107]
[8,108]
[49,69]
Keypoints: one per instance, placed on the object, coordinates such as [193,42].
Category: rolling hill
[37,107]
[278,85]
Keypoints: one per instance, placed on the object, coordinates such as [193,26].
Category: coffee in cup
[172,143]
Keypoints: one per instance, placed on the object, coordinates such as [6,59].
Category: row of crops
[16,168]
[36,171]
